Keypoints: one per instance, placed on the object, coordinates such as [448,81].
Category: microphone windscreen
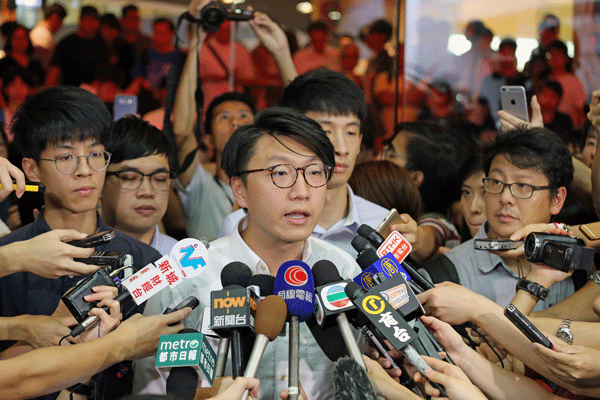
[295,284]
[352,382]
[330,340]
[235,273]
[371,234]
[270,317]
[360,243]
[353,290]
[324,272]
[264,282]
[183,381]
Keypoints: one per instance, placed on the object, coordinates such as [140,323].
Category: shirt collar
[488,261]
[241,251]
[352,220]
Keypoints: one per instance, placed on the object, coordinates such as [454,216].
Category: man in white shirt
[338,105]
[279,168]
[42,34]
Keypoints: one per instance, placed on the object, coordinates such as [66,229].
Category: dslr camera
[559,252]
[214,14]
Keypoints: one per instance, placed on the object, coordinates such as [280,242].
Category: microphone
[351,381]
[264,282]
[390,324]
[370,234]
[294,283]
[325,273]
[270,318]
[183,381]
[235,273]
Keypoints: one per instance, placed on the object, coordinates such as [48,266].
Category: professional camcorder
[559,252]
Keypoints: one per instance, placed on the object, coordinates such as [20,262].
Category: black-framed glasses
[517,189]
[131,180]
[285,175]
[68,163]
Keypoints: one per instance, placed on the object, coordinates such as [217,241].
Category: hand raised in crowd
[573,365]
[39,330]
[452,303]
[385,384]
[236,389]
[457,384]
[8,172]
[196,6]
[269,33]
[373,353]
[138,336]
[46,255]
[594,114]
[509,122]
[100,293]
[108,321]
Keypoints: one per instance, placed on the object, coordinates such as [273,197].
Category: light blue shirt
[341,233]
[163,243]
[316,370]
[206,202]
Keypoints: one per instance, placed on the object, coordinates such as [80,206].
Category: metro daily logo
[334,297]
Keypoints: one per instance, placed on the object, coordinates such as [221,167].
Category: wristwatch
[534,288]
[564,331]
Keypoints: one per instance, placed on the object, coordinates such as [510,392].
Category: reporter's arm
[46,255]
[184,110]
[578,306]
[275,40]
[50,369]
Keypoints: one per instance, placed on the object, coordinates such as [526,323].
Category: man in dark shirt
[76,55]
[61,133]
[549,97]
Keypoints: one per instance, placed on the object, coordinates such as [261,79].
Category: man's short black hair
[110,20]
[231,96]
[55,8]
[317,26]
[325,91]
[381,26]
[131,137]
[127,8]
[89,11]
[275,122]
[508,42]
[162,20]
[537,148]
[57,115]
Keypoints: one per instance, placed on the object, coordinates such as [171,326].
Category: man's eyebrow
[134,169]
[287,160]
[328,122]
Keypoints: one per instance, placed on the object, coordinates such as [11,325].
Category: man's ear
[31,169]
[558,200]
[239,191]
[416,177]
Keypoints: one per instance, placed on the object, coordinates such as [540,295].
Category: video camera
[559,252]
[214,14]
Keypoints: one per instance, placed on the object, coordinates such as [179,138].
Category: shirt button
[262,267]
[283,377]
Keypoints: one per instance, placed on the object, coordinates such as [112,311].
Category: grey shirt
[486,274]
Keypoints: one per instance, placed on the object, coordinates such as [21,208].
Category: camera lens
[212,16]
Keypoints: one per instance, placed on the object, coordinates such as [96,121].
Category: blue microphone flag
[295,284]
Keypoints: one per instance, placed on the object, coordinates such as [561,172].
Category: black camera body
[214,14]
[559,252]
[73,298]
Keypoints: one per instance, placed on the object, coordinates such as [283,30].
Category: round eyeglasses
[68,163]
[285,175]
[519,190]
[131,180]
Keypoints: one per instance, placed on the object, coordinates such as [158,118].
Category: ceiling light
[305,7]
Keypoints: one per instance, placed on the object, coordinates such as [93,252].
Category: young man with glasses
[138,181]
[279,166]
[60,133]
[527,175]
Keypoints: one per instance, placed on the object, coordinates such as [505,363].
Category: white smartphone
[514,101]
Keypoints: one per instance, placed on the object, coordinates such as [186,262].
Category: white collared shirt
[340,234]
[316,370]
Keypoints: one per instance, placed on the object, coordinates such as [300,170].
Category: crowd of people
[282,155]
